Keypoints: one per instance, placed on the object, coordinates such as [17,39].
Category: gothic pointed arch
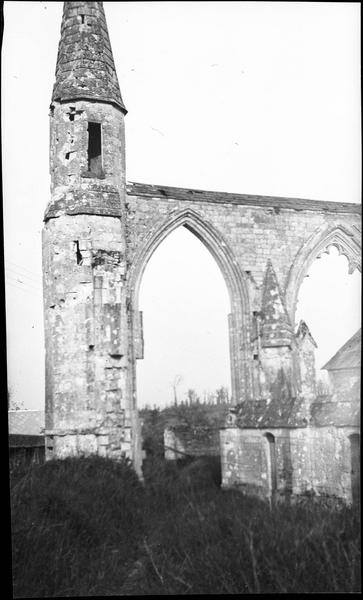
[347,240]
[209,236]
[234,278]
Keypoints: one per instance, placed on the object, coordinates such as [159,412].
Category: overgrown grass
[88,527]
[75,527]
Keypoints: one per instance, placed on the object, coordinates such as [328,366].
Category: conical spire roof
[276,329]
[85,67]
[303,331]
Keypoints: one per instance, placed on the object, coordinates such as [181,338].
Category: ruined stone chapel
[100,231]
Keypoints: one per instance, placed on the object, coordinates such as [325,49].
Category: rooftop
[276,202]
[26,422]
[348,356]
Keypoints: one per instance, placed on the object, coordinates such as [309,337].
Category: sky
[246,97]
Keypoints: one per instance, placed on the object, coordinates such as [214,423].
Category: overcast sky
[247,97]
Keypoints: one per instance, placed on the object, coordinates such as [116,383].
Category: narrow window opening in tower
[273,471]
[94,149]
[79,256]
[82,19]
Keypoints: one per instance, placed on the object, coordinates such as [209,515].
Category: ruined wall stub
[100,232]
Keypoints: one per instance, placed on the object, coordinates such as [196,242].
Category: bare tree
[222,395]
[192,397]
[177,381]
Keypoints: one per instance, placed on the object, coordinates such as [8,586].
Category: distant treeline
[220,396]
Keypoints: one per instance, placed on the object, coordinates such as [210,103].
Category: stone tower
[89,399]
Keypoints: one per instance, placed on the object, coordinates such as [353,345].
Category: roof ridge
[343,349]
[188,193]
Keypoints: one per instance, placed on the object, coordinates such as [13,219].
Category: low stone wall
[191,441]
[303,461]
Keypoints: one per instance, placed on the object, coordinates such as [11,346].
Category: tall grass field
[87,527]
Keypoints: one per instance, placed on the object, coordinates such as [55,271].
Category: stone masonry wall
[307,374]
[345,383]
[242,233]
[71,183]
[254,233]
[191,441]
[86,329]
[308,461]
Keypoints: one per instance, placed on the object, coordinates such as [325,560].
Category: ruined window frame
[87,173]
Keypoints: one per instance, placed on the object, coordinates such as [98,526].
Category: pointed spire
[303,332]
[276,329]
[85,67]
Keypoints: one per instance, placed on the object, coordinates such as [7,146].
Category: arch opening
[329,302]
[347,242]
[212,240]
[234,279]
[185,304]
